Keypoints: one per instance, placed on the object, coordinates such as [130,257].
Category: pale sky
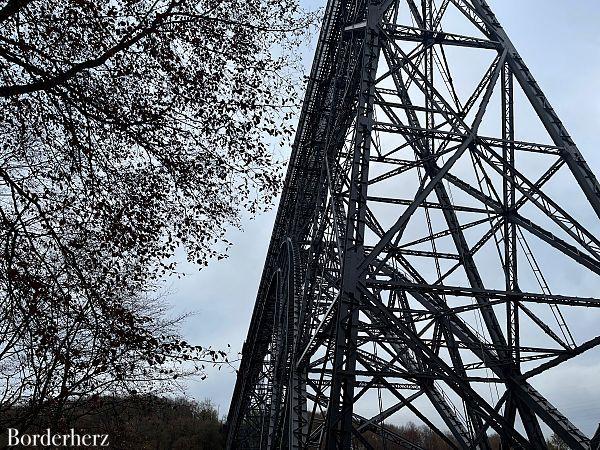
[560,43]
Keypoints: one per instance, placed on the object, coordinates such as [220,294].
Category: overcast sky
[559,41]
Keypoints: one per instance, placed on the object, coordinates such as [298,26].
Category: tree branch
[61,78]
[11,8]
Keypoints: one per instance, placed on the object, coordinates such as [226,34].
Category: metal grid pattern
[408,263]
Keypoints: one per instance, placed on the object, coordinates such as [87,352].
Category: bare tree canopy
[129,129]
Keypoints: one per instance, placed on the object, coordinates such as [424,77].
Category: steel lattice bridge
[431,255]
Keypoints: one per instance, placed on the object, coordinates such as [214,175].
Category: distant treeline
[154,423]
[427,439]
[144,422]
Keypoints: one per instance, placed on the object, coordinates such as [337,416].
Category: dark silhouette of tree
[129,129]
[146,422]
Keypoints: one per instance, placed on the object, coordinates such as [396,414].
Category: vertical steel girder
[353,301]
[339,412]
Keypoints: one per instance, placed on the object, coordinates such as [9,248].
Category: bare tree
[129,129]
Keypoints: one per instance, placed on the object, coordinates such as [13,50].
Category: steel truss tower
[434,247]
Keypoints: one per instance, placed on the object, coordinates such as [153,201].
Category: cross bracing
[414,266]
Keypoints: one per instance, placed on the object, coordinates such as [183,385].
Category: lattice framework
[409,260]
